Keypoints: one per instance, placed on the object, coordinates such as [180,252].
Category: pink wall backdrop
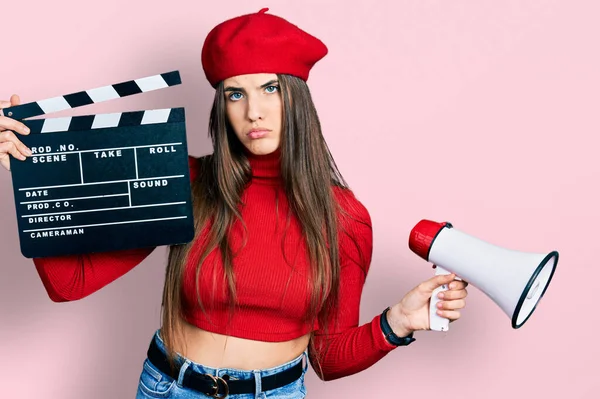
[483,113]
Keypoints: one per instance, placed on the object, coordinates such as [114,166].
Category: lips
[258,133]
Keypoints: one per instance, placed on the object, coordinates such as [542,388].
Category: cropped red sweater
[271,276]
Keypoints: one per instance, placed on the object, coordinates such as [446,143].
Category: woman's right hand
[9,143]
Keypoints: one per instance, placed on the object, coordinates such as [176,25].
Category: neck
[266,169]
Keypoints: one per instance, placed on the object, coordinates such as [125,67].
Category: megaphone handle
[437,322]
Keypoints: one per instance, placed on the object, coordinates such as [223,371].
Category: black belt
[220,387]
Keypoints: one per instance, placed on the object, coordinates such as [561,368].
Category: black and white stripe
[93,96]
[99,121]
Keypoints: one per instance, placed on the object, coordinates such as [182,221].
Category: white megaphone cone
[514,280]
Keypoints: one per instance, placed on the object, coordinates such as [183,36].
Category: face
[254,109]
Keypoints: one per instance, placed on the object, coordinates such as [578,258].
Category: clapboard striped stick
[93,96]
[99,121]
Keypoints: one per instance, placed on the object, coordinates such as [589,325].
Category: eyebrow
[269,83]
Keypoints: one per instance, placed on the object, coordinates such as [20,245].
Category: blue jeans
[155,384]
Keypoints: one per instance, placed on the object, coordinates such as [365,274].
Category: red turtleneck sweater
[270,270]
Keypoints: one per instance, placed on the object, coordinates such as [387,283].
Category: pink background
[483,113]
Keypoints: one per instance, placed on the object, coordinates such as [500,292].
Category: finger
[451,305]
[450,295]
[458,285]
[9,147]
[7,135]
[449,314]
[15,100]
[429,285]
[12,124]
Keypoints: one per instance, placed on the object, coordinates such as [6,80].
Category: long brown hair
[308,174]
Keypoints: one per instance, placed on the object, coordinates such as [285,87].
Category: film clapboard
[103,182]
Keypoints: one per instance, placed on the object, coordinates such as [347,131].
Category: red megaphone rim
[423,235]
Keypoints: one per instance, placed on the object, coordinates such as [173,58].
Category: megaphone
[514,280]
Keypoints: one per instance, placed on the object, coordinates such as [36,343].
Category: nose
[255,111]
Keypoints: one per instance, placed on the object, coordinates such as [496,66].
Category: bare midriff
[221,351]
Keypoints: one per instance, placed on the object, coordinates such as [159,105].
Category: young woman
[273,279]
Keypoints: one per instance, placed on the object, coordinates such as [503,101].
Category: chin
[262,148]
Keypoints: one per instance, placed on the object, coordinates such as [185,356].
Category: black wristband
[389,333]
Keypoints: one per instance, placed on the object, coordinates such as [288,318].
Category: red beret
[259,43]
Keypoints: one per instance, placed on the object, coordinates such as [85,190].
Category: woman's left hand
[412,312]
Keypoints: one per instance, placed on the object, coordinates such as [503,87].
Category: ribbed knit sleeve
[69,278]
[346,348]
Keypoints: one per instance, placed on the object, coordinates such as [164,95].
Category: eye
[236,95]
[271,89]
